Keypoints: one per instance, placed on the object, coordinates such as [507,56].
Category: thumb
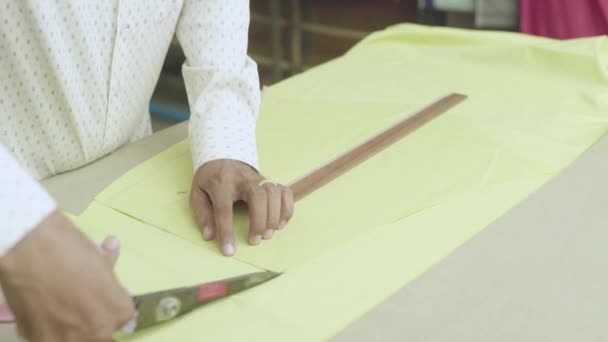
[110,249]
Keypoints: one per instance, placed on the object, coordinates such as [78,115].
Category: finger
[23,324]
[274,209]
[46,331]
[28,332]
[75,336]
[222,202]
[111,249]
[22,330]
[256,202]
[22,321]
[203,212]
[125,312]
[286,206]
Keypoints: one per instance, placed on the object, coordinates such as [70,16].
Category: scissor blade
[242,283]
[158,307]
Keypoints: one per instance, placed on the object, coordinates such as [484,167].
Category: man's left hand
[218,184]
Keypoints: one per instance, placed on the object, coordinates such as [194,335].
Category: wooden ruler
[343,163]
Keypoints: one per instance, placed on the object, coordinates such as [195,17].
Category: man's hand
[218,184]
[61,288]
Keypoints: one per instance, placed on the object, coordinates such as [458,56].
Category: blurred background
[290,36]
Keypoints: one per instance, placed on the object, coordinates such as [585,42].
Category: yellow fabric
[153,260]
[534,105]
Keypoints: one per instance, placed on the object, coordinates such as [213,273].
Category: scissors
[158,307]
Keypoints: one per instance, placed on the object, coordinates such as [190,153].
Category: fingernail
[112,243]
[228,249]
[282,225]
[268,234]
[255,240]
[207,233]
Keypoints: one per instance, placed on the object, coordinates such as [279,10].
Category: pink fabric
[564,19]
[6,315]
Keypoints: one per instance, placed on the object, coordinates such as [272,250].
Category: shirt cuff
[23,202]
[224,106]
[237,142]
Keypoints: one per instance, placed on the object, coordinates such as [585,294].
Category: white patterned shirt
[76,78]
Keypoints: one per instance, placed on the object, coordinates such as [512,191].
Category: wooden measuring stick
[337,167]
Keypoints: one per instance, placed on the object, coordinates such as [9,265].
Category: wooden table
[537,274]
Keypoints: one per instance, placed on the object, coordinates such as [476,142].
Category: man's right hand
[61,288]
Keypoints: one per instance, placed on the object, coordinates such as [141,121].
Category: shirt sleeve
[23,202]
[221,80]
